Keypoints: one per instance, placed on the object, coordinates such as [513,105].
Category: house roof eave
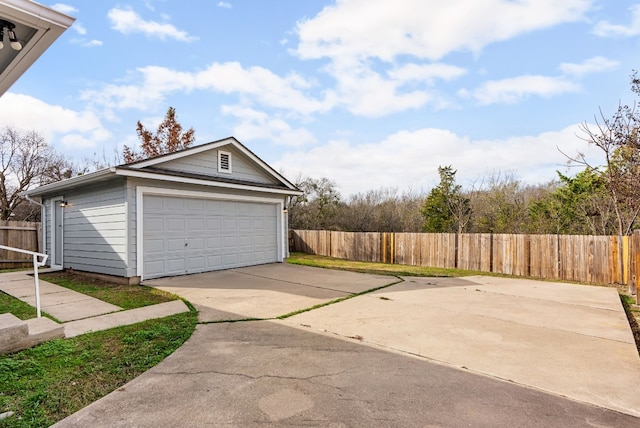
[71,182]
[178,178]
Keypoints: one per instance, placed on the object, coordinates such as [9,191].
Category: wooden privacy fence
[19,234]
[581,258]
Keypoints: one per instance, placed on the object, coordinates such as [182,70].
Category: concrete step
[16,334]
[12,332]
[43,329]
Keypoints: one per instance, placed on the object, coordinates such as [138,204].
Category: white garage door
[187,235]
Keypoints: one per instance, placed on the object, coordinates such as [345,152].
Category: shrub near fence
[580,258]
[19,234]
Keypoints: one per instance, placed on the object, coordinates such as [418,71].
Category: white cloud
[592,65]
[258,84]
[129,22]
[427,73]
[64,8]
[79,28]
[515,89]
[52,121]
[410,160]
[363,52]
[255,125]
[92,43]
[606,29]
[426,29]
[224,4]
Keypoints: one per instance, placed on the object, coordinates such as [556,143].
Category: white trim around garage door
[141,191]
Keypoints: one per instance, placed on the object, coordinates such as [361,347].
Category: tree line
[598,200]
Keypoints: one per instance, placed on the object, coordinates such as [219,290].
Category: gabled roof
[206,147]
[149,169]
[36,27]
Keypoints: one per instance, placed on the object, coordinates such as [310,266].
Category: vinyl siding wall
[206,163]
[95,232]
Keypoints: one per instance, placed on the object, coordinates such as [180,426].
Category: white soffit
[37,27]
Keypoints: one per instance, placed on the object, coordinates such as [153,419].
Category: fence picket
[19,234]
[582,258]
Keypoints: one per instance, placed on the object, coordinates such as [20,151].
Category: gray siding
[132,256]
[95,233]
[206,163]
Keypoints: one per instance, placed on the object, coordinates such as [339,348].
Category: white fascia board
[182,153]
[48,24]
[212,146]
[70,182]
[185,180]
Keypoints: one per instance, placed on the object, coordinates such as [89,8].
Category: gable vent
[224,161]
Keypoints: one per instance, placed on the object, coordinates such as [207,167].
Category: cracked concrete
[269,374]
[426,352]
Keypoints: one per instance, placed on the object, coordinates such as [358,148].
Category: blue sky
[369,93]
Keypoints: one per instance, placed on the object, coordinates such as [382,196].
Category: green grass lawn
[17,307]
[374,268]
[44,384]
[125,296]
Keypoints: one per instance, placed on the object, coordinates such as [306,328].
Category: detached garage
[209,207]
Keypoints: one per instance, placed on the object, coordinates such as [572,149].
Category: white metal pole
[37,284]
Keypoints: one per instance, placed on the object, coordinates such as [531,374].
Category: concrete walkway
[78,312]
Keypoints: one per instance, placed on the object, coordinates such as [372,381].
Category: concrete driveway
[266,291]
[475,351]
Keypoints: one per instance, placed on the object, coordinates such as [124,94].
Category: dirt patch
[80,277]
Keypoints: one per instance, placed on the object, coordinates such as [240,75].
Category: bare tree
[168,138]
[317,207]
[617,137]
[26,161]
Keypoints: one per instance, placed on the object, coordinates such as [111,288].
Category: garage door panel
[176,265]
[196,263]
[153,225]
[214,224]
[176,244]
[214,242]
[218,235]
[174,204]
[196,224]
[194,204]
[196,244]
[153,202]
[229,259]
[174,224]
[155,245]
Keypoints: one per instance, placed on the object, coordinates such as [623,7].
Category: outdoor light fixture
[9,26]
[64,203]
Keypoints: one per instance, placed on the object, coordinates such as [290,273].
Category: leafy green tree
[168,138]
[446,208]
[579,205]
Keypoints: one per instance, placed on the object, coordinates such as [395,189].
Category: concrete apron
[570,340]
[265,291]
